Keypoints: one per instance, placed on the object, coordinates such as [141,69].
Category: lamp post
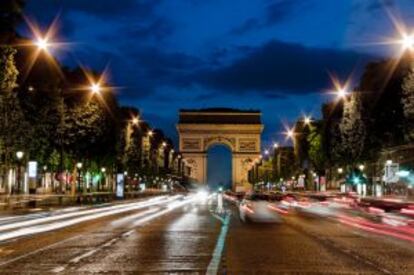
[103,178]
[79,168]
[19,156]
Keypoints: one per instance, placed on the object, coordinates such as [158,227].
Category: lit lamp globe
[95,88]
[19,155]
[135,121]
[407,42]
[42,44]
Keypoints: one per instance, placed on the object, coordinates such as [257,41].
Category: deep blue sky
[262,54]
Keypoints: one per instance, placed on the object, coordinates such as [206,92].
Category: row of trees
[356,131]
[48,112]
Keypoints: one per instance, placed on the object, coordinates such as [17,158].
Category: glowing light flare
[307,120]
[341,90]
[407,42]
[96,85]
[95,88]
[135,120]
[275,145]
[42,43]
[290,133]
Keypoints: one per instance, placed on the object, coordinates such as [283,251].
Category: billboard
[391,173]
[32,169]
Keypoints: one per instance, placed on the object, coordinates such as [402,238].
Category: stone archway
[239,130]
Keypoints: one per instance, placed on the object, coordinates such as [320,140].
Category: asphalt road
[312,245]
[181,236]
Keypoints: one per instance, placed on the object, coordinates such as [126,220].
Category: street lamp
[275,145]
[79,166]
[42,43]
[266,152]
[19,155]
[361,167]
[307,120]
[135,121]
[340,170]
[341,93]
[101,179]
[290,133]
[95,88]
[150,133]
[407,42]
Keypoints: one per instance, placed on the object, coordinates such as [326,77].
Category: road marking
[214,264]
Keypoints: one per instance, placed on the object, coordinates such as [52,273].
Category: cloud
[277,69]
[247,26]
[275,12]
[281,11]
[103,8]
[273,70]
[375,5]
[149,30]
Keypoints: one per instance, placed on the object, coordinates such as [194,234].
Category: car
[257,208]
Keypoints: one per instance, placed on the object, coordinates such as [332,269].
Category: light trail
[40,227]
[15,225]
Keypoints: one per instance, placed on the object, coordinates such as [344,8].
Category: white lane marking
[214,264]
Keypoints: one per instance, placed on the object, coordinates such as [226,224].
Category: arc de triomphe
[239,130]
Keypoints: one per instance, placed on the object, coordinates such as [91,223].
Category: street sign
[391,173]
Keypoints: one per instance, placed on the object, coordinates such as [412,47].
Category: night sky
[269,55]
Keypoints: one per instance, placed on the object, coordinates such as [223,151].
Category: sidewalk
[11,203]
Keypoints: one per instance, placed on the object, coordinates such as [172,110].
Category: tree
[301,145]
[14,130]
[408,103]
[352,129]
[11,14]
[382,108]
[317,153]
